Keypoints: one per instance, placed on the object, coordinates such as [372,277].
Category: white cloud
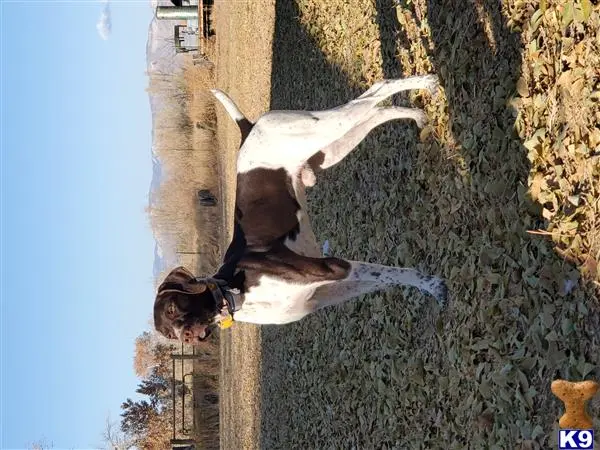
[104,24]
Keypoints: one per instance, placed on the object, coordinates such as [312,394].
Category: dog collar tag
[227,322]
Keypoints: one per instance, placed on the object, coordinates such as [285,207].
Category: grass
[243,69]
[499,194]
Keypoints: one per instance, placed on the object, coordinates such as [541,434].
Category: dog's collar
[227,297]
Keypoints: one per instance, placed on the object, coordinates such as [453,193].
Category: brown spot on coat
[266,206]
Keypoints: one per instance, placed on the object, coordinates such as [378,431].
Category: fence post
[182,356]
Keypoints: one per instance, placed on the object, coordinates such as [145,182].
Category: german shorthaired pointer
[273,271]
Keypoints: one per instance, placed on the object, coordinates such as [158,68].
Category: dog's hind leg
[386,88]
[290,138]
[364,278]
[338,150]
[245,126]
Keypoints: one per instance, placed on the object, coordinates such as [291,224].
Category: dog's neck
[227,294]
[233,297]
[231,300]
[235,252]
[230,279]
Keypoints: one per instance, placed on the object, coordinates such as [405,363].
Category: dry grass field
[243,69]
[184,142]
[499,194]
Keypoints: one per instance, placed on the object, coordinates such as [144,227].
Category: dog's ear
[181,280]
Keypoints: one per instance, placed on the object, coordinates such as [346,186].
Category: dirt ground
[458,199]
[243,70]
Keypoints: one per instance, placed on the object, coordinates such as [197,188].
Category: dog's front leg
[364,278]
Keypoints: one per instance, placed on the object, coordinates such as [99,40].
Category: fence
[178,441]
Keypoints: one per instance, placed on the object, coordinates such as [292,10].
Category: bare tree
[115,439]
[42,444]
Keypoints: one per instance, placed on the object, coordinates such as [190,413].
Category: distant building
[186,38]
[193,23]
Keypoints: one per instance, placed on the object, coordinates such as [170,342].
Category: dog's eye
[171,310]
[167,333]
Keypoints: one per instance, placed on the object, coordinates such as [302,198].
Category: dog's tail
[234,112]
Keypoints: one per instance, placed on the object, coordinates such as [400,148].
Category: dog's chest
[275,301]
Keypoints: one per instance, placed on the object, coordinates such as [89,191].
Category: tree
[151,354]
[157,435]
[135,416]
[115,439]
[149,427]
[42,444]
[156,387]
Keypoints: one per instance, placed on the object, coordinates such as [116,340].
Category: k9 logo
[575,439]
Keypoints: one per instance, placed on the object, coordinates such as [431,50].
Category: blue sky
[77,249]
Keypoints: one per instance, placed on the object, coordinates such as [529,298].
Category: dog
[273,271]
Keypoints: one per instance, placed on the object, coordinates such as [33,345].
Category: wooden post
[180,357]
[200,26]
[173,393]
[182,442]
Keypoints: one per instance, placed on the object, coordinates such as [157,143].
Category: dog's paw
[327,249]
[437,288]
[421,119]
[432,83]
[441,293]
[308,176]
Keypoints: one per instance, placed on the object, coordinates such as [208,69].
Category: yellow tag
[226,322]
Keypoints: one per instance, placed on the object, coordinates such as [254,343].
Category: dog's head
[184,308]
